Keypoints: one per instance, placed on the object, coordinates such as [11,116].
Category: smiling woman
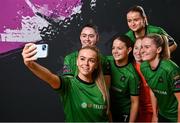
[84,96]
[139,27]
[163,77]
[124,89]
[87,63]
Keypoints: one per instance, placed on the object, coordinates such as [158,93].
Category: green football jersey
[70,67]
[164,82]
[149,29]
[83,102]
[124,83]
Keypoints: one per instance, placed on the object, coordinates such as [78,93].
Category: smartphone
[42,51]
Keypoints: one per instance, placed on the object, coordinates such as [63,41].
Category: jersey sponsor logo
[93,106]
[160,92]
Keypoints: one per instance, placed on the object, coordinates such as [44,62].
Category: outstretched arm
[43,73]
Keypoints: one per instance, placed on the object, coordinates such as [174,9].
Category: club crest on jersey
[160,80]
[84,105]
[122,78]
[66,69]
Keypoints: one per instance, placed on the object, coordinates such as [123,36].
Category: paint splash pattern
[41,18]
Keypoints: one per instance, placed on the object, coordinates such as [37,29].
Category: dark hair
[128,43]
[123,38]
[90,25]
[160,41]
[140,10]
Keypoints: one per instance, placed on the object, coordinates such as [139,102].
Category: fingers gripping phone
[42,51]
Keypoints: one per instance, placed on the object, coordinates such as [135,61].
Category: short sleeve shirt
[83,102]
[164,82]
[124,83]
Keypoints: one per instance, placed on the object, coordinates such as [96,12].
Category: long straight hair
[98,76]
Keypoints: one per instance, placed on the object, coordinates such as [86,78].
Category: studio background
[24,97]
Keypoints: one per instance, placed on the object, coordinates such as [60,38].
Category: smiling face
[136,50]
[149,50]
[86,62]
[119,50]
[135,21]
[88,37]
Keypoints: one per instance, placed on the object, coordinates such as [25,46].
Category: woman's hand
[28,52]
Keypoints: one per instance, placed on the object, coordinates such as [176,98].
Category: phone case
[42,51]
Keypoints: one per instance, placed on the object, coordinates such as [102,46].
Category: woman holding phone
[84,97]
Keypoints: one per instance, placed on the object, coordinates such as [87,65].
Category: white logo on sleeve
[84,105]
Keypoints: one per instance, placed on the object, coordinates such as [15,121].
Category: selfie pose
[84,97]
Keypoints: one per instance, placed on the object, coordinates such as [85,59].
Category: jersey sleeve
[175,79]
[70,66]
[67,67]
[65,86]
[105,65]
[131,36]
[170,39]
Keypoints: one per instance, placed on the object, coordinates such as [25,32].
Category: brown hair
[128,43]
[140,10]
[94,27]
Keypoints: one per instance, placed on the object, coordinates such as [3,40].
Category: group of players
[138,83]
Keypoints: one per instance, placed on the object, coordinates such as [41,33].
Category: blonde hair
[98,76]
[161,41]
